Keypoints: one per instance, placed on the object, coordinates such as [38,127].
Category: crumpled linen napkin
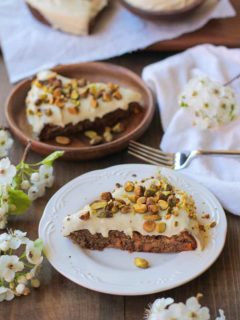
[29,46]
[167,78]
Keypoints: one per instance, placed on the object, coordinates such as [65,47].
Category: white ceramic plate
[113,271]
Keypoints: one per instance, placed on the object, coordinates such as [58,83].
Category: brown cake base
[109,120]
[137,243]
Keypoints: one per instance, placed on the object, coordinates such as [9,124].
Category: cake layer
[51,131]
[137,243]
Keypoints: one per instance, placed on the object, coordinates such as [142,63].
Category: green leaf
[52,157]
[19,202]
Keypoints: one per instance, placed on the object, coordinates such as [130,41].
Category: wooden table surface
[217,31]
[59,298]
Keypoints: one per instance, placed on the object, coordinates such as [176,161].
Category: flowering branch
[20,260]
[24,183]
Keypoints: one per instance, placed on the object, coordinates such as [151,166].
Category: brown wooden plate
[79,149]
[163,13]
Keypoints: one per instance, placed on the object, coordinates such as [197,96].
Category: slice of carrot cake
[57,105]
[145,216]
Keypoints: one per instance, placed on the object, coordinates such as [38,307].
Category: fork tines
[151,155]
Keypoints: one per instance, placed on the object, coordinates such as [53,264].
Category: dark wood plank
[58,298]
[218,32]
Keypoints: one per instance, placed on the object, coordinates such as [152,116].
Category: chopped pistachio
[90,134]
[96,140]
[149,226]
[129,186]
[99,204]
[152,217]
[118,128]
[163,204]
[140,208]
[141,263]
[161,227]
[108,137]
[62,140]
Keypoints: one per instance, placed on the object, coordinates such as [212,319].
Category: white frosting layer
[72,16]
[61,116]
[128,223]
[160,5]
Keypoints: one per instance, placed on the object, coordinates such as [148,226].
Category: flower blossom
[7,172]
[6,294]
[6,142]
[34,253]
[9,265]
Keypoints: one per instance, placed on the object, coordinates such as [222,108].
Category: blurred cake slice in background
[71,16]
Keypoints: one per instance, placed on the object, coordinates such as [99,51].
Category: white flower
[20,235]
[46,175]
[25,185]
[18,238]
[5,241]
[176,311]
[20,288]
[7,171]
[35,177]
[36,191]
[34,253]
[222,316]
[8,266]
[195,311]
[12,241]
[161,304]
[6,294]
[5,142]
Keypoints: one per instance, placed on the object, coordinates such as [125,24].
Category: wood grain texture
[218,32]
[59,298]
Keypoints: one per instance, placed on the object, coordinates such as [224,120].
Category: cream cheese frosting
[160,5]
[72,111]
[128,223]
[71,16]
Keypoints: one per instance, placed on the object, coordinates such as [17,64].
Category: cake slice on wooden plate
[60,106]
[144,216]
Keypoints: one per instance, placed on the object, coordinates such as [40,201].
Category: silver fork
[176,161]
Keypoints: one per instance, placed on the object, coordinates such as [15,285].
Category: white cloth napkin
[29,46]
[167,79]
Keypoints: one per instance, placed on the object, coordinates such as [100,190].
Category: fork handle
[218,152]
